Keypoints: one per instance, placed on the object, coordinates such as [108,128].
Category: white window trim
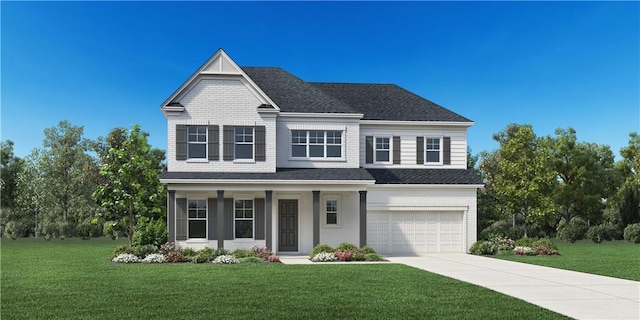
[206,143]
[206,224]
[325,144]
[338,200]
[375,149]
[253,145]
[253,220]
[440,162]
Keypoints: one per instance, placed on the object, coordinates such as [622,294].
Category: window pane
[316,151]
[382,155]
[239,213]
[197,228]
[316,136]
[193,204]
[334,151]
[197,151]
[299,136]
[334,137]
[244,228]
[248,204]
[433,156]
[202,213]
[244,151]
[298,151]
[248,213]
[332,218]
[382,143]
[332,205]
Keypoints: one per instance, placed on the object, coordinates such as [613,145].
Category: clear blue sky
[110,64]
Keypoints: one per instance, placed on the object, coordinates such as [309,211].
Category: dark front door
[288,225]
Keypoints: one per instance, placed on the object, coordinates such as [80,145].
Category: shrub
[523,242]
[220,252]
[261,252]
[206,252]
[324,257]
[321,248]
[250,260]
[199,258]
[523,250]
[120,250]
[188,252]
[243,253]
[273,258]
[168,247]
[483,247]
[613,220]
[358,255]
[576,229]
[50,230]
[343,255]
[367,250]
[372,257]
[597,233]
[143,251]
[149,231]
[544,246]
[13,229]
[84,230]
[126,258]
[154,258]
[345,246]
[632,233]
[175,256]
[226,259]
[504,243]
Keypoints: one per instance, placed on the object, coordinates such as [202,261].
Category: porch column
[316,217]
[363,218]
[171,215]
[220,222]
[268,199]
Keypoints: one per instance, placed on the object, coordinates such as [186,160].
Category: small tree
[131,187]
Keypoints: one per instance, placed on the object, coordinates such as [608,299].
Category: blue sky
[111,64]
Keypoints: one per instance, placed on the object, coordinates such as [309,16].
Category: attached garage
[416,232]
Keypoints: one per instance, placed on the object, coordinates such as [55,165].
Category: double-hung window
[197,215]
[196,142]
[243,142]
[243,218]
[331,211]
[383,148]
[432,150]
[316,144]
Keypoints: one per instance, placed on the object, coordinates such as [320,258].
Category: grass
[73,279]
[619,259]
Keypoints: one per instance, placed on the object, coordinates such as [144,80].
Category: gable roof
[388,102]
[292,94]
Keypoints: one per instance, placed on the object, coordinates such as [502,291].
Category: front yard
[73,279]
[620,259]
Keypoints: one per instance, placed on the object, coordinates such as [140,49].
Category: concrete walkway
[574,294]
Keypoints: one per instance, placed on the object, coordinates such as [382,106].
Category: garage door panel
[406,232]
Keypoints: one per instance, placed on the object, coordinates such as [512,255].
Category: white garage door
[414,232]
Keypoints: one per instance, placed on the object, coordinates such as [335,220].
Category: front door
[288,225]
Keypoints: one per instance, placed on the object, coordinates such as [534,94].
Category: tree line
[534,186]
[74,186]
[557,186]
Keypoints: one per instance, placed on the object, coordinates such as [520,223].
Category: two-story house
[259,156]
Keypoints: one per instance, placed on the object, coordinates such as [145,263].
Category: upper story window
[383,148]
[243,142]
[316,144]
[196,142]
[197,216]
[433,149]
[243,218]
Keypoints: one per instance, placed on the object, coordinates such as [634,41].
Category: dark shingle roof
[292,94]
[280,174]
[425,176]
[388,102]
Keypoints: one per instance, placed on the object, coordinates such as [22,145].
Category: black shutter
[212,216]
[259,219]
[181,219]
[260,143]
[214,142]
[420,150]
[181,142]
[368,149]
[228,143]
[228,219]
[446,150]
[396,150]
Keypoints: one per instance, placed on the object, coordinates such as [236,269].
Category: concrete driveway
[575,294]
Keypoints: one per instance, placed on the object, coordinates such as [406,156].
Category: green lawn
[72,279]
[618,259]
